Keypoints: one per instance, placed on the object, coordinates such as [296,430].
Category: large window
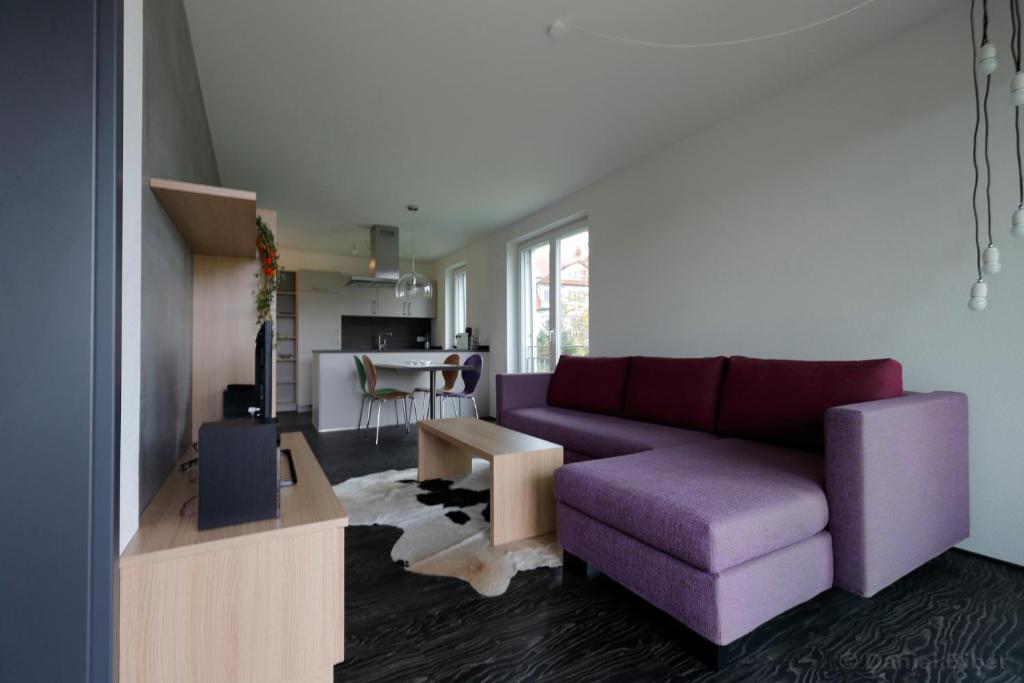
[554,316]
[457,301]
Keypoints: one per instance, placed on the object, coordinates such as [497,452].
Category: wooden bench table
[522,471]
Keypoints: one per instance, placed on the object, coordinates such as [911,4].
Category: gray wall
[176,145]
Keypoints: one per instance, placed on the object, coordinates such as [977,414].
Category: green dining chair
[367,396]
[382,396]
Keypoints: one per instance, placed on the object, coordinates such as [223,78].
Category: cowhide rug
[446,527]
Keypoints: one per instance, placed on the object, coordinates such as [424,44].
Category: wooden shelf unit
[215,221]
[256,602]
[286,386]
[219,225]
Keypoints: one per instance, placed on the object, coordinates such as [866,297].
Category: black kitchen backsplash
[359,333]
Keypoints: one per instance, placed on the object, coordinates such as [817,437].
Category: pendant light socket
[1017,89]
[1018,223]
[990,260]
[988,60]
[979,297]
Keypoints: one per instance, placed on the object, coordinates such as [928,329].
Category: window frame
[451,301]
[522,254]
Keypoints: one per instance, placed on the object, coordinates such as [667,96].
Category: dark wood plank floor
[958,618]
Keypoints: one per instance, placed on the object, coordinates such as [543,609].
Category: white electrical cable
[567,23]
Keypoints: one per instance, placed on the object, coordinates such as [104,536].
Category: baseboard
[989,558]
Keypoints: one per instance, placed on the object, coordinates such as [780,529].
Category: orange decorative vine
[267,275]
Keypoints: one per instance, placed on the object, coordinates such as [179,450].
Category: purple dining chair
[470,378]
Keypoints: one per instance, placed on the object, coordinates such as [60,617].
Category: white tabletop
[418,366]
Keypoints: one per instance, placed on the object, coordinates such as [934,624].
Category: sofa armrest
[896,483]
[527,390]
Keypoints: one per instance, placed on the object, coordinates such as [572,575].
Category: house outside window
[554,317]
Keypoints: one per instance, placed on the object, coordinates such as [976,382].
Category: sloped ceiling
[340,112]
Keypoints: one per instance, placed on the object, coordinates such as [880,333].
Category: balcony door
[554,298]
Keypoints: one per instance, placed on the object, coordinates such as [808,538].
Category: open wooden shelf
[217,221]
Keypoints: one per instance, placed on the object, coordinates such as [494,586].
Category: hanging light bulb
[990,260]
[1017,89]
[988,61]
[414,284]
[979,296]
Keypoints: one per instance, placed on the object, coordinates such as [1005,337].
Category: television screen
[264,365]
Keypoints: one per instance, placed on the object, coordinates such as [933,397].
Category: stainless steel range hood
[384,267]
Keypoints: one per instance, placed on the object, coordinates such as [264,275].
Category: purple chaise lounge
[726,491]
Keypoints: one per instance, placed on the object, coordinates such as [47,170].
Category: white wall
[832,221]
[478,276]
[131,272]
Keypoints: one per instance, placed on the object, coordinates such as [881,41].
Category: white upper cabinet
[319,321]
[388,304]
[359,301]
[322,281]
[344,300]
[422,307]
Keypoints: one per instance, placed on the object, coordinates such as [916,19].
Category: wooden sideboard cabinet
[250,603]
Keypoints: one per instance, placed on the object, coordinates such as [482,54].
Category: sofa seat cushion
[595,385]
[680,392]
[784,401]
[712,504]
[596,436]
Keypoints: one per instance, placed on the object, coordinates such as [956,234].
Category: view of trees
[574,302]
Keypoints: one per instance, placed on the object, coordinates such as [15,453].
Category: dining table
[430,367]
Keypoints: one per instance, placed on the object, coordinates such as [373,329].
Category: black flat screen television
[264,366]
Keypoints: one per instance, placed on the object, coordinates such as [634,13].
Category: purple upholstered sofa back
[781,402]
[679,392]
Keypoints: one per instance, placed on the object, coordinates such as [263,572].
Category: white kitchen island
[337,396]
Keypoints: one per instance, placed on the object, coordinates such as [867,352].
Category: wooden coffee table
[522,471]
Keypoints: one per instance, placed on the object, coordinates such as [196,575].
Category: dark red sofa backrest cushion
[681,392]
[595,385]
[784,401]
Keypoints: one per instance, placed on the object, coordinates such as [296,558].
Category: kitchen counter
[337,397]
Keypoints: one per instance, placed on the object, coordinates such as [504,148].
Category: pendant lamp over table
[413,283]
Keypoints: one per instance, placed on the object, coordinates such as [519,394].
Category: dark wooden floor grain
[958,618]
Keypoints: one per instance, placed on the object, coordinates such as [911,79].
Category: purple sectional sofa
[726,491]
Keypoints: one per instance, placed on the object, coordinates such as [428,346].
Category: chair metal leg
[397,421]
[415,411]
[458,405]
[442,407]
[380,404]
[362,405]
[405,406]
[476,412]
[369,416]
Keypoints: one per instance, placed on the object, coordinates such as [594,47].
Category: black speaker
[239,473]
[238,398]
